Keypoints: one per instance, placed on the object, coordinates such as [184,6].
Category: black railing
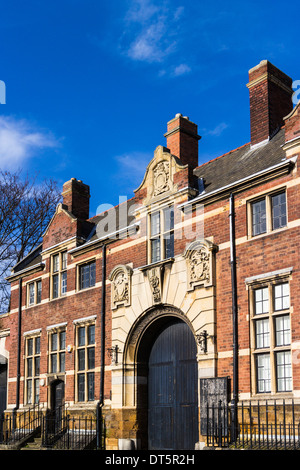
[60,431]
[261,425]
[17,427]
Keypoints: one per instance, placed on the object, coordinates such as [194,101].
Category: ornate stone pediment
[120,278]
[199,258]
[158,180]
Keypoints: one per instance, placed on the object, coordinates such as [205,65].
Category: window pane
[31,294]
[64,260]
[261,299]
[62,340]
[91,358]
[279,211]
[30,347]
[262,334]
[37,365]
[53,363]
[36,390]
[55,287]
[91,387]
[284,371]
[259,217]
[29,367]
[81,336]
[283,332]
[55,263]
[155,250]
[155,224]
[168,219]
[37,345]
[80,384]
[91,334]
[81,359]
[64,282]
[62,362]
[169,245]
[54,342]
[38,292]
[29,392]
[282,296]
[263,373]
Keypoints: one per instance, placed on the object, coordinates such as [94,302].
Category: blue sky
[91,84]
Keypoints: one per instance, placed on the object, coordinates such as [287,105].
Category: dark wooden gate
[172,390]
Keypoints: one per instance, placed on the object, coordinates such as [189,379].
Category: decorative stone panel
[120,278]
[199,259]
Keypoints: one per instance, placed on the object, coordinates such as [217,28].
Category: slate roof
[240,163]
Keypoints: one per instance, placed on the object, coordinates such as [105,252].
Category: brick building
[196,277]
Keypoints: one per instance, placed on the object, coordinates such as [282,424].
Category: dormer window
[161,234]
[59,274]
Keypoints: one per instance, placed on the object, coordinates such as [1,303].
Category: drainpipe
[234,316]
[18,354]
[102,356]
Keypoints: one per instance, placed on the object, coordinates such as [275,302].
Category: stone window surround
[267,196]
[268,280]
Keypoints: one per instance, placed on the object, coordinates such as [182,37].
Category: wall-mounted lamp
[114,352]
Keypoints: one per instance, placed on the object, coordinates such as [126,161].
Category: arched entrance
[172,389]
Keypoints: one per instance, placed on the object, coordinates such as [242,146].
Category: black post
[102,355]
[18,355]
[234,317]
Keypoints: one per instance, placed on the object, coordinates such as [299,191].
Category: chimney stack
[76,197]
[270,100]
[182,140]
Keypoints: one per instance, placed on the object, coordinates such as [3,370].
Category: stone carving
[161,176]
[199,264]
[154,276]
[120,279]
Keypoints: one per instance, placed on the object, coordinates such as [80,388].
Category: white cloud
[217,131]
[150,30]
[181,69]
[19,141]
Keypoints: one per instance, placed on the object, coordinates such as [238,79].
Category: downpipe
[18,355]
[234,318]
[102,351]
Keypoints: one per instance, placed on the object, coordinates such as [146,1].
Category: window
[268,213]
[85,362]
[162,234]
[87,275]
[271,337]
[57,351]
[34,292]
[32,370]
[59,274]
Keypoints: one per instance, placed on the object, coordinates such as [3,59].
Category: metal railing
[17,427]
[60,431]
[267,425]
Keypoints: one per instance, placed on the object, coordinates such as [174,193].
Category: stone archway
[143,336]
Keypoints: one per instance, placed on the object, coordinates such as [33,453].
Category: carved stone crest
[120,279]
[161,176]
[199,264]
